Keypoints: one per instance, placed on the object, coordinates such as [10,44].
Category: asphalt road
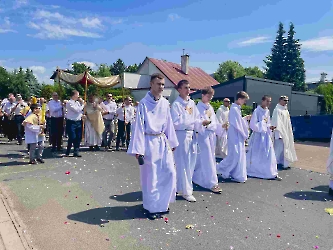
[98,206]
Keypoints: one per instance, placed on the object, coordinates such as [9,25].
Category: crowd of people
[37,119]
[175,144]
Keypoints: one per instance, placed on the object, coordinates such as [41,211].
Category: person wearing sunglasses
[283,134]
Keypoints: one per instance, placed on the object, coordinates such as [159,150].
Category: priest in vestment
[261,160]
[283,134]
[330,166]
[186,120]
[221,141]
[205,169]
[94,124]
[154,139]
[234,165]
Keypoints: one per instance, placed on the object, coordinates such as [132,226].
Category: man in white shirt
[110,108]
[8,109]
[74,123]
[57,122]
[19,118]
[125,116]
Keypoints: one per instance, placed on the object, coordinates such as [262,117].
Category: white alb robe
[234,165]
[92,138]
[261,160]
[283,136]
[221,143]
[186,120]
[205,169]
[329,164]
[154,137]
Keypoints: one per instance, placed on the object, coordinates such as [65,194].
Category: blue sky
[44,34]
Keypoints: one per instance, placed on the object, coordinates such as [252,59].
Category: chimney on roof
[185,62]
[322,77]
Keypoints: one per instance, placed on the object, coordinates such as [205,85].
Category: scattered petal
[68,172]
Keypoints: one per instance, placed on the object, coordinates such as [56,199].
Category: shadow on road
[320,193]
[13,163]
[129,197]
[103,215]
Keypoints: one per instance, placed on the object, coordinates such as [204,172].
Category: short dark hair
[33,107]
[283,97]
[156,75]
[74,92]
[127,98]
[181,83]
[265,97]
[208,90]
[242,95]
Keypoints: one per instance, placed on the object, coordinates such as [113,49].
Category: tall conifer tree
[294,64]
[275,63]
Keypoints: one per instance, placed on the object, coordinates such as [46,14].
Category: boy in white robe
[283,134]
[261,160]
[330,166]
[205,169]
[33,134]
[154,138]
[234,165]
[222,141]
[186,120]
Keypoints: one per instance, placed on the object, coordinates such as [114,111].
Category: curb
[11,237]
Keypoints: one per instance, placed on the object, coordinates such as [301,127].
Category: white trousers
[279,152]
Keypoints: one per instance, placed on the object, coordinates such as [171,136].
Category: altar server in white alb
[330,167]
[283,134]
[261,160]
[222,115]
[234,165]
[205,170]
[154,138]
[186,120]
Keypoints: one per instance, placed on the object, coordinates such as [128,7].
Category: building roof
[196,76]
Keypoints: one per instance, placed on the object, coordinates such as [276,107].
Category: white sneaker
[189,198]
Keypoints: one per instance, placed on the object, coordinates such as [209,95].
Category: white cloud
[256,40]
[20,3]
[54,31]
[6,26]
[118,21]
[37,69]
[91,22]
[173,17]
[56,16]
[319,44]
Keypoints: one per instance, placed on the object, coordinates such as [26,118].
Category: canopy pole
[124,116]
[85,101]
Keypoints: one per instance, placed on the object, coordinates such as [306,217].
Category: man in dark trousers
[74,123]
[125,116]
[57,122]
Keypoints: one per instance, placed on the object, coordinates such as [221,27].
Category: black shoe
[154,216]
[117,149]
[40,160]
[330,191]
[77,155]
[97,148]
[166,212]
[91,148]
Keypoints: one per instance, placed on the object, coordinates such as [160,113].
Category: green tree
[294,64]
[79,68]
[32,83]
[19,84]
[275,68]
[254,71]
[103,71]
[47,90]
[326,89]
[5,82]
[118,67]
[229,70]
[133,68]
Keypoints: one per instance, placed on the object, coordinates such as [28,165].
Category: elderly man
[19,118]
[8,109]
[110,107]
[222,117]
[283,134]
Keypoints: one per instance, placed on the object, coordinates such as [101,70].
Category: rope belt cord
[160,134]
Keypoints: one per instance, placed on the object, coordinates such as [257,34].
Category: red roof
[196,76]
